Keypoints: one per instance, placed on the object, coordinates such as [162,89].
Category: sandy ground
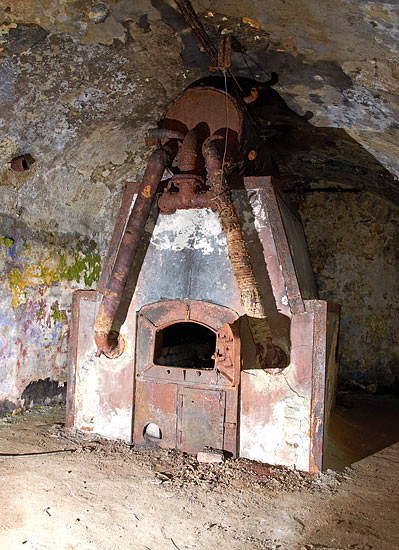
[106,496]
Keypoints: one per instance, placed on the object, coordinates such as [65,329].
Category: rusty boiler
[205,329]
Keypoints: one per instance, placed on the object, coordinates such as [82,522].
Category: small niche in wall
[43,392]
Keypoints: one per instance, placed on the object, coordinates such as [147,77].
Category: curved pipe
[190,157]
[106,339]
[250,295]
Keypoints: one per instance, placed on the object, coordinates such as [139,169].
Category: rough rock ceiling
[335,115]
[76,75]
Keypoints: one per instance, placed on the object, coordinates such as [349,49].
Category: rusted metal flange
[21,163]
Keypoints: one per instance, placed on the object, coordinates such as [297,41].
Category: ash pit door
[201,419]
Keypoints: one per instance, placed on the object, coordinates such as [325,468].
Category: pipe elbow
[111,344]
[160,158]
[211,148]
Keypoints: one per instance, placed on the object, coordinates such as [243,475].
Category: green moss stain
[58,315]
[62,260]
[88,267]
[17,282]
[50,264]
[16,277]
[8,242]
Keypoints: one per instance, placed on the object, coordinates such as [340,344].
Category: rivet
[252,155]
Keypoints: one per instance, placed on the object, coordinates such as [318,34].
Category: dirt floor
[101,495]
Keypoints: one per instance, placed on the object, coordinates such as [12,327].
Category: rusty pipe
[106,339]
[190,159]
[154,135]
[162,133]
[21,163]
[241,263]
[272,356]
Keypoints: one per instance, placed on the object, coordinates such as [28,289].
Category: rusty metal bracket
[252,97]
[224,56]
[184,191]
[227,354]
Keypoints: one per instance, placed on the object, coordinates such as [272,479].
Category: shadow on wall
[38,393]
[43,392]
[341,191]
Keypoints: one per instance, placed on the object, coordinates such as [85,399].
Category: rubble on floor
[173,467]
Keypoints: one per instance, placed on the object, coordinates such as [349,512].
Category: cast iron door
[200,419]
[192,407]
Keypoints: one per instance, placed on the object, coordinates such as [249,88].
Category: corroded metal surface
[20,164]
[224,55]
[237,249]
[227,354]
[130,191]
[192,407]
[323,311]
[204,105]
[107,339]
[200,419]
[268,195]
[189,193]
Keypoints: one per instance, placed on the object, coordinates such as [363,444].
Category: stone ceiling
[80,82]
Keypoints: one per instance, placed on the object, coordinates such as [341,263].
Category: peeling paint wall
[36,282]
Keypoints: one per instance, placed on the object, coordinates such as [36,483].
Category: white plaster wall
[275,410]
[281,434]
[94,380]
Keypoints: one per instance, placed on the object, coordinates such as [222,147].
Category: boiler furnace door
[187,383]
[200,419]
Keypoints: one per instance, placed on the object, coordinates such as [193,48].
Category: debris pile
[173,467]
